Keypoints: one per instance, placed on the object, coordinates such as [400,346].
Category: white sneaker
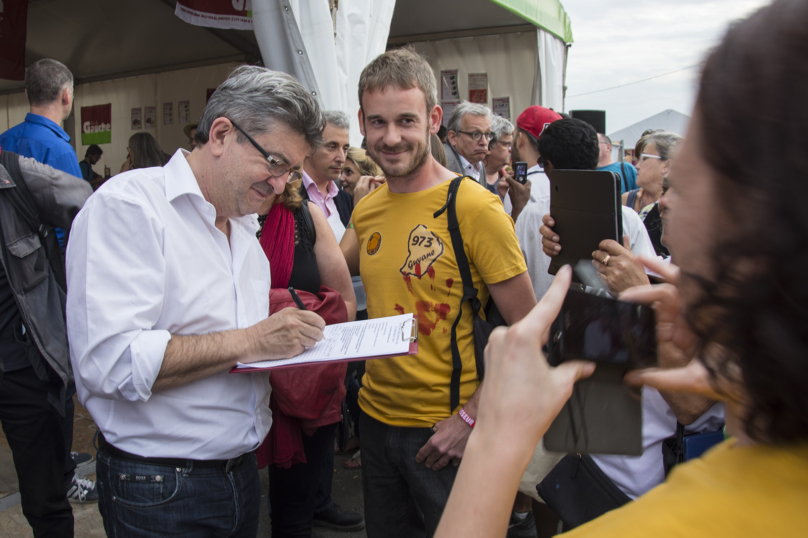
[82,490]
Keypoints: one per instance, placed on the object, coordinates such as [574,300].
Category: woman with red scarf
[306,401]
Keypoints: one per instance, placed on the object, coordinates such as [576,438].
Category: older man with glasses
[469,134]
[169,289]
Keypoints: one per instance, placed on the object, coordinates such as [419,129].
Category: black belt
[228,465]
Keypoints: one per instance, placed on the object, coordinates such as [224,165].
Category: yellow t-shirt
[732,491]
[408,265]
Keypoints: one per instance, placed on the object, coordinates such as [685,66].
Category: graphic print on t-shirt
[423,249]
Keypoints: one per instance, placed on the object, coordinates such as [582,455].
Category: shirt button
[179,470]
[123,477]
[158,478]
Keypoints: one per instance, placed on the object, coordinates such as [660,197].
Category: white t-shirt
[636,475]
[527,231]
[539,188]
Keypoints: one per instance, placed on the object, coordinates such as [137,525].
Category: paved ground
[347,491]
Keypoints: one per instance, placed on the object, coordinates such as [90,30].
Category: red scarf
[278,241]
[284,445]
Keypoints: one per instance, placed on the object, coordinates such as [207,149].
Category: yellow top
[408,265]
[757,491]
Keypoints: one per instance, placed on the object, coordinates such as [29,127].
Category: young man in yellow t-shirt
[412,437]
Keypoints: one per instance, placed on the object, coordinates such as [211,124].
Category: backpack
[23,203]
[482,328]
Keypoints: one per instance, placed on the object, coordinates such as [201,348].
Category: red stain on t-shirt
[418,270]
[425,323]
[431,273]
[444,330]
[449,282]
[398,308]
[408,282]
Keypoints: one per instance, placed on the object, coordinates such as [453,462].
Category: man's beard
[515,157]
[416,162]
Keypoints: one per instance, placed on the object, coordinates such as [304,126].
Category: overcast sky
[622,41]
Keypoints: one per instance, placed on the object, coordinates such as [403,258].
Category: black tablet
[586,208]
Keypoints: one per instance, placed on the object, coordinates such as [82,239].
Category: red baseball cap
[535,119]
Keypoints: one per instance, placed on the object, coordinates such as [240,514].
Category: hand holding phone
[520,172]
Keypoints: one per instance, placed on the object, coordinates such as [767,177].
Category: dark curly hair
[752,317]
[569,145]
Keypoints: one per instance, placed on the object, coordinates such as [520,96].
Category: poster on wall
[448,85]
[184,111]
[168,113]
[137,119]
[447,107]
[478,88]
[233,15]
[151,117]
[96,124]
[502,107]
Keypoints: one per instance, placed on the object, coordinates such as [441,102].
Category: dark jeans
[33,429]
[402,498]
[142,500]
[293,491]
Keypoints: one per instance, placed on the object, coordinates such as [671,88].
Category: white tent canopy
[669,120]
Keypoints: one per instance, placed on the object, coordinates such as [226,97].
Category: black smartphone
[602,329]
[520,172]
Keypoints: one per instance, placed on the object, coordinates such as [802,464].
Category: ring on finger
[605,261]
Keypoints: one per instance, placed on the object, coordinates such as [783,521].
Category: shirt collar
[464,163]
[181,180]
[310,184]
[50,124]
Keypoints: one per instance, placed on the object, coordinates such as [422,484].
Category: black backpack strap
[20,197]
[624,181]
[469,291]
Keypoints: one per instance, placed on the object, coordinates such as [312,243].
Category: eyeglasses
[276,167]
[477,135]
[506,145]
[646,156]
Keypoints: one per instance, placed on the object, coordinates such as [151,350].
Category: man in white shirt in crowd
[525,147]
[469,133]
[321,173]
[169,289]
[567,144]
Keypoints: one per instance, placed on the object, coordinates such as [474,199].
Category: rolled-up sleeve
[116,279]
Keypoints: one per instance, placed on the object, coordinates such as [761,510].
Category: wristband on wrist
[466,418]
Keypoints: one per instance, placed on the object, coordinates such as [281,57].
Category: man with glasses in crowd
[169,289]
[469,128]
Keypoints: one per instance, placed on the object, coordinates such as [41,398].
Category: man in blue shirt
[626,171]
[49,87]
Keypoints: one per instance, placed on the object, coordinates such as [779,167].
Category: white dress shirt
[145,261]
[527,231]
[469,169]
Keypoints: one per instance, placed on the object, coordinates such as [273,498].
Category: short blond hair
[366,165]
[403,69]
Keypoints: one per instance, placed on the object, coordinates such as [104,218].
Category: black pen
[296,299]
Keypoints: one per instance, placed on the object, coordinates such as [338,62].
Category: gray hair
[45,80]
[465,108]
[256,98]
[666,143]
[500,127]
[337,118]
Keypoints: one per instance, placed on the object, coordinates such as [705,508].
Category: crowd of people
[140,292]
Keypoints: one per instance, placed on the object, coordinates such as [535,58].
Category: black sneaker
[338,519]
[82,490]
[522,528]
[81,458]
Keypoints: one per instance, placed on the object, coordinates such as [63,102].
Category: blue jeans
[402,498]
[142,500]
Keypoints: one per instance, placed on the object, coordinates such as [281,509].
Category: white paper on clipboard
[379,337]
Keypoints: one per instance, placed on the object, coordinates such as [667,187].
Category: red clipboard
[412,351]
